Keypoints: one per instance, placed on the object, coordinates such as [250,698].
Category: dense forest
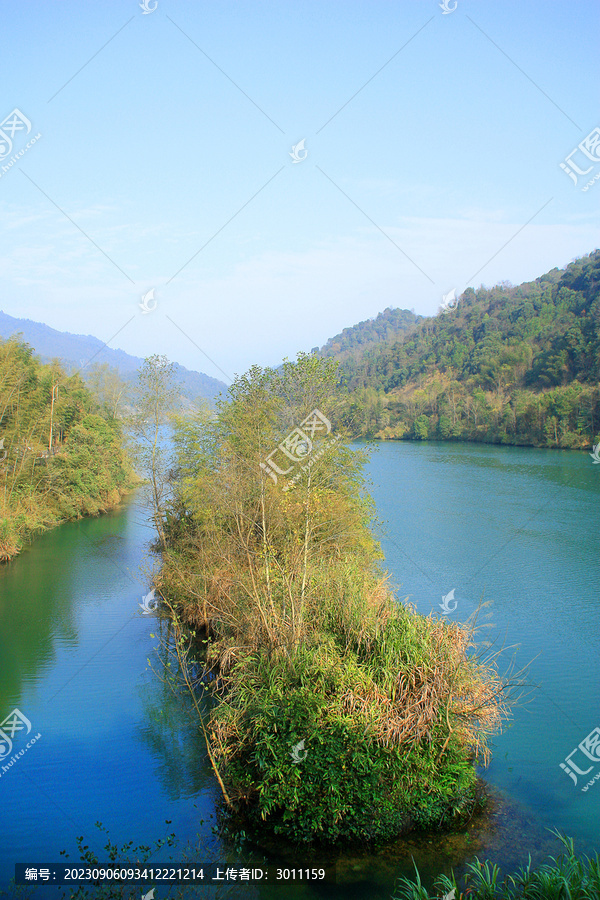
[512,365]
[385,328]
[61,453]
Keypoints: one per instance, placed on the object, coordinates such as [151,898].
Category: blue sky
[433,143]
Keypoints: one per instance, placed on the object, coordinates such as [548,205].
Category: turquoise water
[518,528]
[115,745]
[515,527]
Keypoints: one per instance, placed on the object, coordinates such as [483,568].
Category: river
[516,528]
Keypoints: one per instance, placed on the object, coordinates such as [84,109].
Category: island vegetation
[339,713]
[61,450]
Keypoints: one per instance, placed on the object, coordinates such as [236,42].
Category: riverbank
[20,529]
[508,365]
[561,418]
[566,875]
[62,455]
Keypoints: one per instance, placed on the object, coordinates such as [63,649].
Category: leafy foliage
[154,398]
[306,643]
[61,455]
[516,365]
[386,328]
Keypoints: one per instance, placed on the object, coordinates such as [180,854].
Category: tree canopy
[509,364]
[61,453]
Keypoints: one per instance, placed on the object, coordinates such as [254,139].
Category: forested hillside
[386,328]
[61,455]
[517,365]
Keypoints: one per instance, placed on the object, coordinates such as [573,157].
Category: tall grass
[566,877]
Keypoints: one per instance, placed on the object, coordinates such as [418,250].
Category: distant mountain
[387,327]
[77,350]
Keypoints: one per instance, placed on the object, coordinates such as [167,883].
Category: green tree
[108,387]
[527,340]
[59,459]
[271,562]
[154,402]
[421,428]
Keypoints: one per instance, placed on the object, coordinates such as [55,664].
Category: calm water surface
[515,527]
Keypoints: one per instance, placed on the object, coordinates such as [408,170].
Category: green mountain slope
[517,365]
[386,328]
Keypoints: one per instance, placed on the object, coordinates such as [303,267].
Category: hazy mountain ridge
[77,350]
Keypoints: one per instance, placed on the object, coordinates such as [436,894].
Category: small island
[339,713]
